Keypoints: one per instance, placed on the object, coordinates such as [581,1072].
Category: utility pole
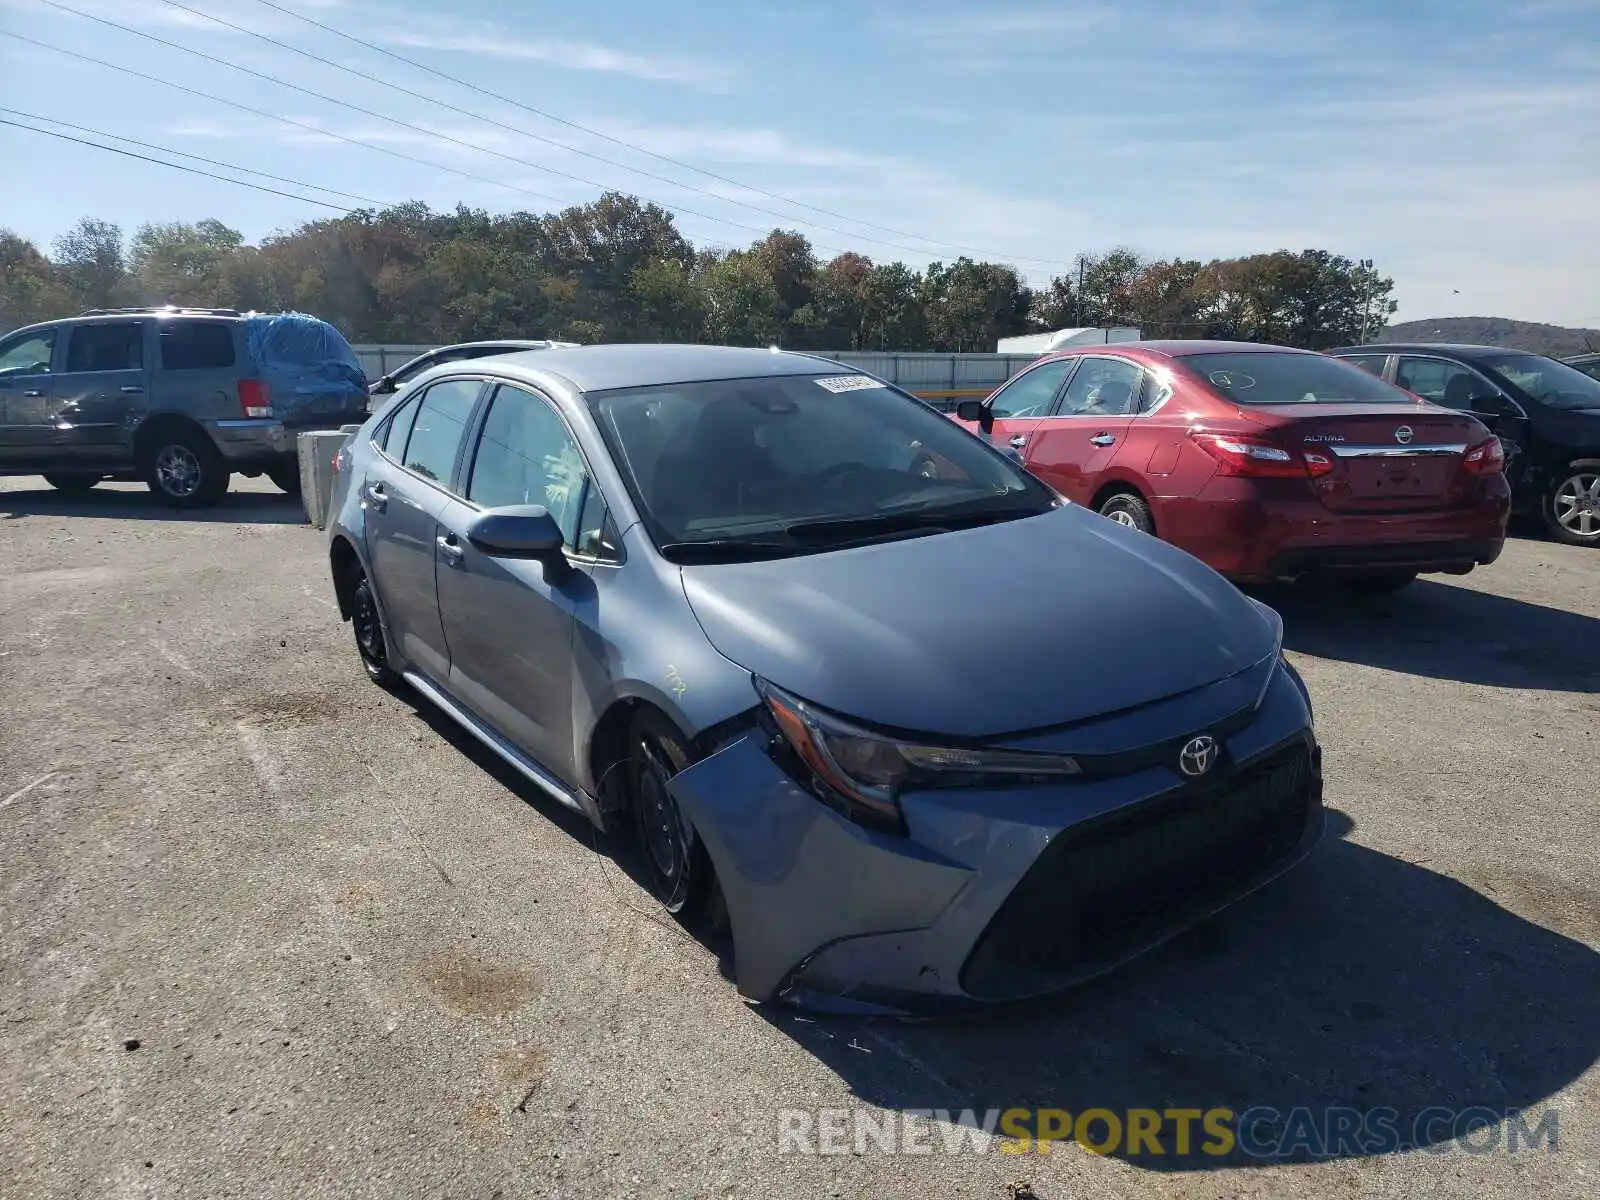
[1366,297]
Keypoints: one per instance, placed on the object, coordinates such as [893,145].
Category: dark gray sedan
[922,732]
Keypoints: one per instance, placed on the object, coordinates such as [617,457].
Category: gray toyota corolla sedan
[922,731]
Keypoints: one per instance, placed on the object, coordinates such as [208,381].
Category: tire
[1380,583]
[1125,508]
[286,478]
[676,867]
[72,485]
[1571,507]
[183,468]
[372,643]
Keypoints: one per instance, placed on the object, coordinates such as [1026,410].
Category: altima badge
[1198,755]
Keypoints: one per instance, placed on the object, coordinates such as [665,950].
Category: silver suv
[178,397]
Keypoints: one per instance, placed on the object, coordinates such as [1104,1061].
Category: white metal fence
[926,374]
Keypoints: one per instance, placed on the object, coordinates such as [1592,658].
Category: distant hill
[1555,340]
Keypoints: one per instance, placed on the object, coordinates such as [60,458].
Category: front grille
[1104,889]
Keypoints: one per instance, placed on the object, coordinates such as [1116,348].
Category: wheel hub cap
[367,626]
[1124,518]
[178,471]
[659,818]
[1577,504]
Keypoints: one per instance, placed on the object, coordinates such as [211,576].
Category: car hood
[983,632]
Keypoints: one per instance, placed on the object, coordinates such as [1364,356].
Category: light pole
[1366,296]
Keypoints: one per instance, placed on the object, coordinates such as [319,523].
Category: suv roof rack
[160,308]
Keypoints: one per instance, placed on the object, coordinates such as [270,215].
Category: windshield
[1546,380]
[796,463]
[1286,378]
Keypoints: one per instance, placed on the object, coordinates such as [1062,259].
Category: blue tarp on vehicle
[311,370]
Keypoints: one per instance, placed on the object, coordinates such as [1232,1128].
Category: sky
[1451,141]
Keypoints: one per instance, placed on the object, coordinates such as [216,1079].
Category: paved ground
[269,931]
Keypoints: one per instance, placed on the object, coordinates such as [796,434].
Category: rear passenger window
[392,437]
[113,347]
[441,420]
[196,345]
[1157,391]
[1102,387]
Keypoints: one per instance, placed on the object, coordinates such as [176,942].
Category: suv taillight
[1257,459]
[1485,458]
[255,398]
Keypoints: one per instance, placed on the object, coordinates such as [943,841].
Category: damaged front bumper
[997,895]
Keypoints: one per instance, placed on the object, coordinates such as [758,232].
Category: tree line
[618,269]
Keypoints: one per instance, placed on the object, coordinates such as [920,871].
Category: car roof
[515,343]
[1456,349]
[601,368]
[1182,347]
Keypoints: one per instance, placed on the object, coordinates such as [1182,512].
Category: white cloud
[967,26]
[709,145]
[495,42]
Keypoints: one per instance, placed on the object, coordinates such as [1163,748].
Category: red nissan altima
[1269,464]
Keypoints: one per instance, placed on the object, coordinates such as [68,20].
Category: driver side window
[1030,394]
[526,456]
[28,354]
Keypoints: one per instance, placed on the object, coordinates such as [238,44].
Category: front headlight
[868,770]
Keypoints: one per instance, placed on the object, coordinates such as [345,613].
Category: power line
[260,112]
[67,137]
[414,64]
[368,112]
[117,137]
[520,132]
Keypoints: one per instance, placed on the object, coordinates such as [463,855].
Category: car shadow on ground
[617,852]
[110,503]
[1359,983]
[1444,631]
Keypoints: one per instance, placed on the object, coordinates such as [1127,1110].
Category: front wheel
[1572,507]
[184,469]
[676,867]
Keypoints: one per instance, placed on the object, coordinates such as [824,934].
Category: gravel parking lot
[270,931]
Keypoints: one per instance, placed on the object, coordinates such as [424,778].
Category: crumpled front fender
[794,873]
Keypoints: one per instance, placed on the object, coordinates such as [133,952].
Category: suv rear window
[196,345]
[1269,377]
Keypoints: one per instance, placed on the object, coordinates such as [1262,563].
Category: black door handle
[377,497]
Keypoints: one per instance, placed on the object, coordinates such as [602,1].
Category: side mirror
[1489,405]
[518,531]
[383,386]
[970,410]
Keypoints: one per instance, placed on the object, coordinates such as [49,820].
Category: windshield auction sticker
[848,383]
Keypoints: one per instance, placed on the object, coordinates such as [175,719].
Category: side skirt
[524,766]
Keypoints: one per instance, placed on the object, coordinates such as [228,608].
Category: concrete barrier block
[316,451]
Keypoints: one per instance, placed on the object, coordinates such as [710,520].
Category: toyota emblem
[1198,755]
[1403,435]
